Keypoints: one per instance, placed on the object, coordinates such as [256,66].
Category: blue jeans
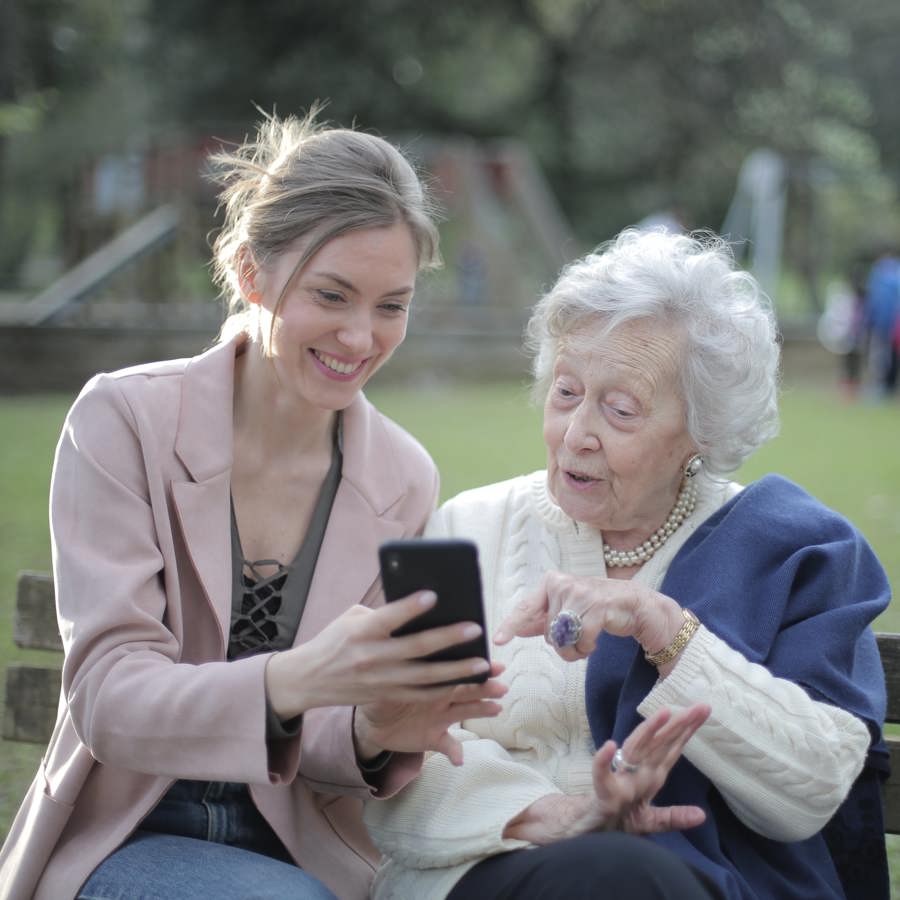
[204,839]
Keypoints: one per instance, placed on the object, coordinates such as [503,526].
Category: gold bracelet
[685,633]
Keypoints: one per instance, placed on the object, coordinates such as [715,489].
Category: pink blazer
[141,555]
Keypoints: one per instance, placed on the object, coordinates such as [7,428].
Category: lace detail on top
[268,597]
[255,627]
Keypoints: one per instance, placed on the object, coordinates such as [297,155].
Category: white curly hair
[729,371]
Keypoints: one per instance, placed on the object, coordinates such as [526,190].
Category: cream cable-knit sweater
[782,761]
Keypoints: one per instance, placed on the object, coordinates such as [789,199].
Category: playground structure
[755,219]
[504,240]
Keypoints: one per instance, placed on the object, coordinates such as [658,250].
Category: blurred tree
[71,94]
[632,106]
[876,63]
[24,78]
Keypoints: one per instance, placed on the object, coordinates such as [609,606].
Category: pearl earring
[693,466]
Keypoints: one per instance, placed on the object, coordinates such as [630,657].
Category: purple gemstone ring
[566,628]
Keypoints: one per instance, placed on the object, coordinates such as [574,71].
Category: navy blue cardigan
[793,586]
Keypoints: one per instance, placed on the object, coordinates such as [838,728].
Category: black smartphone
[450,569]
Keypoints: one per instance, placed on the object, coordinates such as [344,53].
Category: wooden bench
[32,692]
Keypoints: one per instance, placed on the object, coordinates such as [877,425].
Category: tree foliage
[630,105]
[70,92]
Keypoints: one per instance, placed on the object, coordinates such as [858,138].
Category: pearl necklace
[684,506]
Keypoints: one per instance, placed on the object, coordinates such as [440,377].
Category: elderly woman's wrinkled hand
[622,608]
[625,782]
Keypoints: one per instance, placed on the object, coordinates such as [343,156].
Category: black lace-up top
[268,597]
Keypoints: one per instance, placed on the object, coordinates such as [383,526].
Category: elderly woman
[637,577]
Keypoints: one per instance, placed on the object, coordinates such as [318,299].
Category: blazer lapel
[203,512]
[204,444]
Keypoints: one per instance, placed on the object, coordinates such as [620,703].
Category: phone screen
[450,569]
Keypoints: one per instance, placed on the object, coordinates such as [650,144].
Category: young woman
[230,691]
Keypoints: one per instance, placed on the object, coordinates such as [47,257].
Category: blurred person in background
[230,686]
[633,576]
[882,308]
[841,328]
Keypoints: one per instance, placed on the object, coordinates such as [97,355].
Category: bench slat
[35,627]
[891,790]
[889,648]
[32,698]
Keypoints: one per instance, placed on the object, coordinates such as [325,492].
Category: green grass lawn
[846,454]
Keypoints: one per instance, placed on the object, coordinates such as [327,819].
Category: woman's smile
[335,367]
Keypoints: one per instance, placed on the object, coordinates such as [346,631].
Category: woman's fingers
[436,690]
[652,749]
[599,604]
[366,663]
[607,786]
[624,798]
[637,745]
[422,723]
[406,682]
[528,619]
[492,689]
[388,618]
[476,709]
[384,621]
[424,643]
[393,615]
[653,819]
[670,740]
[450,747]
[662,737]
[681,729]
[603,757]
[441,719]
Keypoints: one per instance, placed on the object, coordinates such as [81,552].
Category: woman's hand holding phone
[404,701]
[423,725]
[449,571]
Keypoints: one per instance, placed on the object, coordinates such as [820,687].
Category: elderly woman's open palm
[625,782]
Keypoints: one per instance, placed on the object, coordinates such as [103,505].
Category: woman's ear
[248,276]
